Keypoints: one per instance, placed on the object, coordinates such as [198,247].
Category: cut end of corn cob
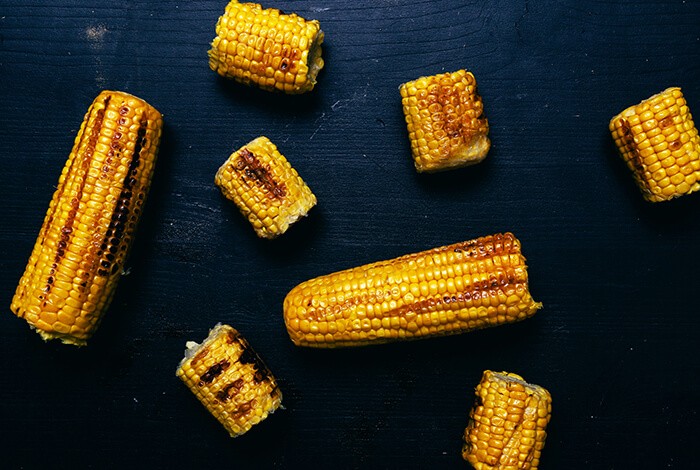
[452,289]
[265,187]
[659,142]
[267,48]
[446,124]
[230,380]
[79,255]
[507,425]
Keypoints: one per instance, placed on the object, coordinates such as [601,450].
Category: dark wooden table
[616,343]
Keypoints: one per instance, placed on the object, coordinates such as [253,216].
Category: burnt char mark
[249,356]
[251,168]
[487,247]
[635,158]
[243,409]
[213,372]
[230,390]
[67,229]
[118,224]
[200,356]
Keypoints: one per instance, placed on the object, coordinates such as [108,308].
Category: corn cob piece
[446,125]
[267,48]
[79,255]
[230,380]
[447,290]
[507,425]
[659,142]
[265,187]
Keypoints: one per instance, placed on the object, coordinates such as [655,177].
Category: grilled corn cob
[660,144]
[230,380]
[507,424]
[267,48]
[447,290]
[265,187]
[79,255]
[446,125]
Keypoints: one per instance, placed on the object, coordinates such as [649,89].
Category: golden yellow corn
[267,48]
[446,124]
[230,380]
[265,187]
[447,290]
[660,144]
[507,425]
[79,255]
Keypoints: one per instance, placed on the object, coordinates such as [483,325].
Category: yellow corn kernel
[79,255]
[659,142]
[446,124]
[452,289]
[265,187]
[230,380]
[507,425]
[267,48]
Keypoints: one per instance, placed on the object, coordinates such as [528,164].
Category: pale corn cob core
[267,48]
[265,187]
[230,380]
[452,289]
[79,255]
[659,142]
[507,425]
[446,125]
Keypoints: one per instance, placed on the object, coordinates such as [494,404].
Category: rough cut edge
[192,347]
[65,338]
[314,60]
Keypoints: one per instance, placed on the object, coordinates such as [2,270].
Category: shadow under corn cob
[452,289]
[230,380]
[79,255]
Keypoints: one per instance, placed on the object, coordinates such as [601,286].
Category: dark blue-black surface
[616,342]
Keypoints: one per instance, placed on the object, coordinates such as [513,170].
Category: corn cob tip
[230,380]
[507,424]
[659,142]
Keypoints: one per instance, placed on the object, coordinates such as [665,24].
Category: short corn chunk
[507,424]
[452,289]
[659,142]
[265,187]
[446,124]
[230,380]
[79,255]
[267,48]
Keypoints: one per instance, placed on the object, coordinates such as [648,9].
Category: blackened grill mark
[200,355]
[213,372]
[230,390]
[114,236]
[248,356]
[261,174]
[67,228]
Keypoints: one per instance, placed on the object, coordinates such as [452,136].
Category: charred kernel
[446,125]
[230,380]
[265,187]
[667,125]
[267,48]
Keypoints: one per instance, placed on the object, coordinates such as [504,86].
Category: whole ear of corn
[447,290]
[267,48]
[446,125]
[659,142]
[507,425]
[230,380]
[265,187]
[79,255]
